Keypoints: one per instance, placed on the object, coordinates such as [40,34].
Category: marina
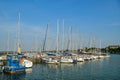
[18,63]
[105,69]
[59,40]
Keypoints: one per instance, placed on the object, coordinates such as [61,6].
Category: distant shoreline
[12,52]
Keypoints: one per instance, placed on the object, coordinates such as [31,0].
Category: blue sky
[97,18]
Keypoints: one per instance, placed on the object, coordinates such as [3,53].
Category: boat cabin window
[14,58]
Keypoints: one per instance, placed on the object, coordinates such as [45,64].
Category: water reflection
[99,69]
[20,76]
[28,70]
[55,66]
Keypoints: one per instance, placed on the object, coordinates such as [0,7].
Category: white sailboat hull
[50,60]
[80,59]
[28,63]
[66,60]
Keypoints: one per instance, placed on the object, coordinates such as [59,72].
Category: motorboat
[15,64]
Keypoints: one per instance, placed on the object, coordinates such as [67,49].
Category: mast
[57,35]
[19,47]
[91,45]
[70,46]
[90,42]
[68,43]
[45,38]
[63,38]
[77,39]
[76,42]
[100,46]
[69,39]
[8,44]
[80,40]
[36,47]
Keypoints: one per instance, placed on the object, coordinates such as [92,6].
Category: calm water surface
[102,69]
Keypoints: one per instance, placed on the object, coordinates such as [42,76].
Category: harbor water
[99,69]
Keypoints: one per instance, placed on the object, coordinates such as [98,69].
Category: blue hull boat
[15,64]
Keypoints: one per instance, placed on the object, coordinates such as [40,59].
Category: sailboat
[27,63]
[50,58]
[15,62]
[66,57]
[101,54]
